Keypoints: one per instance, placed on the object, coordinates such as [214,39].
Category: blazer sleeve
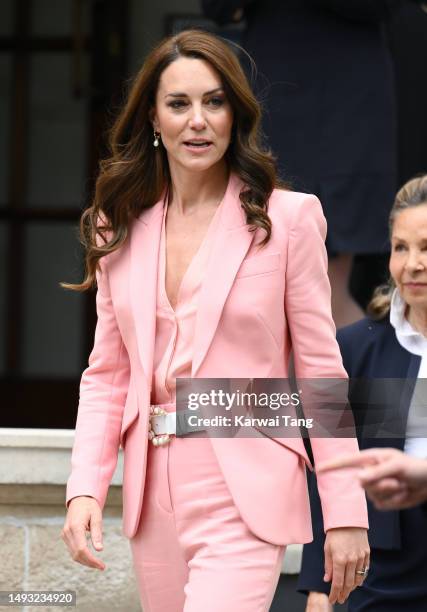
[317,356]
[313,556]
[103,392]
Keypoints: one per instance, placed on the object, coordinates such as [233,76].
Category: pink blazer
[254,306]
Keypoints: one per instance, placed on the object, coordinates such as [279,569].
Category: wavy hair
[413,193]
[135,174]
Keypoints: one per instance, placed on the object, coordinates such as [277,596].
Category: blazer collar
[232,214]
[388,359]
[144,251]
[231,243]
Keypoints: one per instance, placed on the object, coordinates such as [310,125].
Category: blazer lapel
[230,246]
[145,242]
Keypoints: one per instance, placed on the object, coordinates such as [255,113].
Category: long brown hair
[413,193]
[135,174]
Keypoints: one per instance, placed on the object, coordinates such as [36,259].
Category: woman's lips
[415,285]
[198,146]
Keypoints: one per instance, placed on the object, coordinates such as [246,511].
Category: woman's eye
[398,247]
[177,104]
[216,101]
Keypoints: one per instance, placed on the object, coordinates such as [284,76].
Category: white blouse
[415,343]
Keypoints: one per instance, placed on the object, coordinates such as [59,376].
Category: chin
[419,301]
[199,165]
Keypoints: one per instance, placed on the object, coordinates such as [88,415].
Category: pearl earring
[156,138]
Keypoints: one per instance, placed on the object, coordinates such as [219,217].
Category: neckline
[191,265]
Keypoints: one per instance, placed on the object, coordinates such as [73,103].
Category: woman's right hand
[318,602]
[84,514]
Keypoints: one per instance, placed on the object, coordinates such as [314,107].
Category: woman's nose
[414,261]
[197,119]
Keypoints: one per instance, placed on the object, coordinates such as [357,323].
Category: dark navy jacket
[369,349]
[325,79]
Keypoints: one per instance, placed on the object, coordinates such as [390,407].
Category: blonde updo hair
[413,193]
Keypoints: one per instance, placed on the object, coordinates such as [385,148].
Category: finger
[317,602]
[65,535]
[360,566]
[96,532]
[337,580]
[80,551]
[354,460]
[378,490]
[85,557]
[394,502]
[349,580]
[328,566]
[386,469]
[367,563]
[413,498]
[386,487]
[364,458]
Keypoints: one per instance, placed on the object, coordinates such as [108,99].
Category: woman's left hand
[346,551]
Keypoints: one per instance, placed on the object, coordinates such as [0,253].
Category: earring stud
[156,138]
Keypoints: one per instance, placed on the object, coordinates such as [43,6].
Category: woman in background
[390,344]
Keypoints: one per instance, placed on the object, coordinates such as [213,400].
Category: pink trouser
[192,550]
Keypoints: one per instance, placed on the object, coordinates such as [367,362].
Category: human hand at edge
[392,479]
[318,602]
[346,551]
[84,514]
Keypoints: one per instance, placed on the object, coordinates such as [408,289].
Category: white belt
[166,424]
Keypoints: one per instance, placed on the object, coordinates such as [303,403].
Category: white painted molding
[40,456]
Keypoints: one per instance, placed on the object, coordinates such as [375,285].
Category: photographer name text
[284,420]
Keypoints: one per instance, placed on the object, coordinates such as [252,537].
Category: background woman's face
[192,115]
[408,261]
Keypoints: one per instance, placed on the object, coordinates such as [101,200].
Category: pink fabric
[254,306]
[173,348]
[192,551]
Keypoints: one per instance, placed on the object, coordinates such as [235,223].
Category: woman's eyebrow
[183,95]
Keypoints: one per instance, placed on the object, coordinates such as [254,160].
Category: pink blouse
[173,349]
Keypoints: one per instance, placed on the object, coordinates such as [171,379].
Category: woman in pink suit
[204,268]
